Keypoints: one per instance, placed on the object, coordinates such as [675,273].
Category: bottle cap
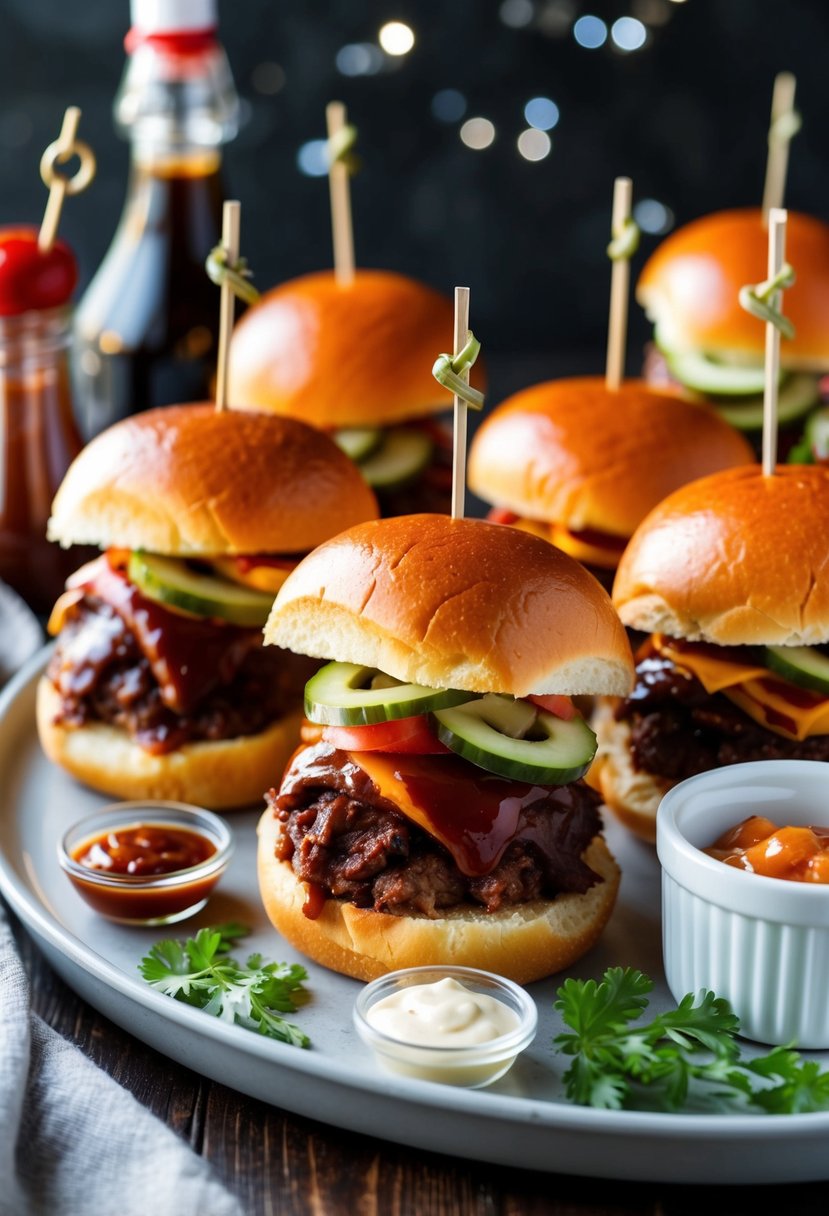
[173,16]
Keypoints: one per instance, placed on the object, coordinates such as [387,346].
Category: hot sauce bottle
[146,328]
[38,435]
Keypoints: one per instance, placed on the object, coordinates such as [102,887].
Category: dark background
[685,116]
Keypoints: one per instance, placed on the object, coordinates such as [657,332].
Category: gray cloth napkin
[72,1141]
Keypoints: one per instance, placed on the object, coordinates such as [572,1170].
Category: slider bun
[632,795]
[572,453]
[339,356]
[454,603]
[525,943]
[689,287]
[735,558]
[190,480]
[220,776]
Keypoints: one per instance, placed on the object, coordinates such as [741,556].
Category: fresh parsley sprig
[689,1051]
[200,971]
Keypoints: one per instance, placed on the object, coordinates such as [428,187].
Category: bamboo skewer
[784,124]
[59,152]
[459,417]
[777,253]
[231,222]
[619,288]
[341,225]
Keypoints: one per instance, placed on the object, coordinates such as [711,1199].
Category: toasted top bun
[455,603]
[337,356]
[572,453]
[689,287]
[735,558]
[188,479]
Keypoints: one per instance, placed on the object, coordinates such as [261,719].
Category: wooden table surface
[280,1164]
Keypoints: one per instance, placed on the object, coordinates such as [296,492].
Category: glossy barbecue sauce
[799,854]
[128,859]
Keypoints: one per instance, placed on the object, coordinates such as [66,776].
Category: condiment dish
[147,898]
[761,942]
[427,1051]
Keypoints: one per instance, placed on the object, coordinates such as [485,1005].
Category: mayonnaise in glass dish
[454,1025]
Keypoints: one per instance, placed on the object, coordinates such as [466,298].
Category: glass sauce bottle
[146,327]
[38,435]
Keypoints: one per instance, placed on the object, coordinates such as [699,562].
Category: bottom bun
[220,776]
[632,795]
[524,942]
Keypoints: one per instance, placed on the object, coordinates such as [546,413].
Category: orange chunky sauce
[800,854]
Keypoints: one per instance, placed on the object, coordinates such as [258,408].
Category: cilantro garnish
[201,972]
[689,1051]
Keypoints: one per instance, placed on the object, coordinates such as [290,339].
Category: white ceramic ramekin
[762,943]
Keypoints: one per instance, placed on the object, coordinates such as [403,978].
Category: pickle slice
[358,441]
[498,735]
[797,396]
[403,453]
[803,665]
[705,375]
[346,694]
[177,586]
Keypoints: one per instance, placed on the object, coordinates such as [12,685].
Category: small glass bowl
[471,1067]
[760,942]
[160,899]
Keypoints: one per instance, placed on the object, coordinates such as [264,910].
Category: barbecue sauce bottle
[38,435]
[146,328]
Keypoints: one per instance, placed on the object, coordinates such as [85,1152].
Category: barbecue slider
[582,466]
[436,812]
[355,360]
[730,577]
[708,345]
[158,686]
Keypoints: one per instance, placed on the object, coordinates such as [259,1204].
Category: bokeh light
[590,32]
[359,59]
[477,133]
[448,105]
[653,216]
[516,13]
[628,34]
[542,113]
[534,144]
[396,38]
[312,158]
[268,78]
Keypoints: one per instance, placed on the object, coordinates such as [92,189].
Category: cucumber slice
[699,372]
[403,453]
[817,433]
[175,585]
[804,665]
[358,441]
[345,694]
[555,753]
[797,396]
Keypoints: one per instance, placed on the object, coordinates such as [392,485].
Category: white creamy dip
[443,1014]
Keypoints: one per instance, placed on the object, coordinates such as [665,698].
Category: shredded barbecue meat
[341,834]
[679,730]
[102,675]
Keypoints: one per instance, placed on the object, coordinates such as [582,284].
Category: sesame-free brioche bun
[571,452]
[221,776]
[735,558]
[690,285]
[341,356]
[190,480]
[454,603]
[524,942]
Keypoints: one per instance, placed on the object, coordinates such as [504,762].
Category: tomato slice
[500,515]
[561,706]
[412,736]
